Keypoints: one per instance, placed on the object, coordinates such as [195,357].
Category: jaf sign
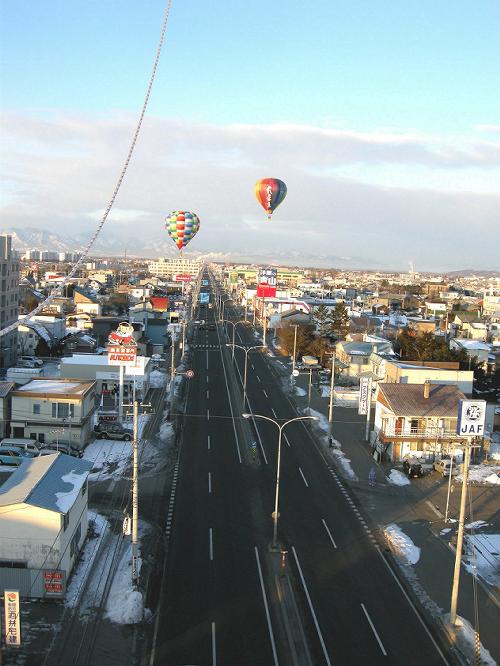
[365,387]
[471,416]
[122,354]
[12,618]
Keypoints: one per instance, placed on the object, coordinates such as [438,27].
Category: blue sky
[407,93]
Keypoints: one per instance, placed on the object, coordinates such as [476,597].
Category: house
[354,357]
[52,410]
[415,419]
[43,524]
[80,343]
[418,372]
[5,407]
[30,335]
[472,348]
[86,302]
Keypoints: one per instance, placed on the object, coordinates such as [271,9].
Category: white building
[52,410]
[178,266]
[43,524]
[491,301]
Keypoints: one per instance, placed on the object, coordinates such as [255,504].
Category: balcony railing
[407,432]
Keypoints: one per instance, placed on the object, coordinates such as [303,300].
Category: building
[9,299]
[54,410]
[415,372]
[29,335]
[178,266]
[416,420]
[491,301]
[43,524]
[355,357]
[5,406]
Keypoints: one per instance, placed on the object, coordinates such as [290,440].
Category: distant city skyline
[383,121]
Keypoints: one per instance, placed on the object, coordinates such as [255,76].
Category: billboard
[266,287]
[53,583]
[471,416]
[182,278]
[365,387]
[204,297]
[12,618]
[122,354]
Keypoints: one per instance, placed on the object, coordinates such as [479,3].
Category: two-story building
[54,410]
[43,524]
[417,420]
[419,372]
[355,357]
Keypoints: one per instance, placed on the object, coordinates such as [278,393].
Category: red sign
[53,582]
[182,278]
[265,290]
[122,354]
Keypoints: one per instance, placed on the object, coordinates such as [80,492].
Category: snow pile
[476,524]
[397,478]
[300,391]
[157,379]
[110,458]
[166,432]
[86,560]
[465,640]
[336,452]
[345,464]
[484,474]
[124,604]
[402,543]
[494,453]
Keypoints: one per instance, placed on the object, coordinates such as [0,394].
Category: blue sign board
[204,297]
[204,283]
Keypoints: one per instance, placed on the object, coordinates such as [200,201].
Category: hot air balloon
[182,226]
[270,192]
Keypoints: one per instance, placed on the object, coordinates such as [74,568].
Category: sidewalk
[430,578]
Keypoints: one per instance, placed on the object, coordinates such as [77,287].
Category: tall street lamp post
[223,305]
[246,350]
[280,430]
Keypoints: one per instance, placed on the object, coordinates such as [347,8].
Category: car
[10,461]
[29,362]
[413,468]
[113,431]
[444,466]
[13,452]
[21,443]
[62,447]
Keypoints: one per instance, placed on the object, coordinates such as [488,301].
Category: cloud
[384,197]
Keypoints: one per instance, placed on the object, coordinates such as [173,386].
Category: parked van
[20,443]
[444,467]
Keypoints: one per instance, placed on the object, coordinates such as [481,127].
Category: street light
[280,429]
[223,305]
[246,350]
[233,324]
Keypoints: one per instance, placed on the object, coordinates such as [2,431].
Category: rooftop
[408,399]
[47,387]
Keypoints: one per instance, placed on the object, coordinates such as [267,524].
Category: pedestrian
[372,475]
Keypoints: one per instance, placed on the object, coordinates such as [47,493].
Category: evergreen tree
[322,320]
[339,321]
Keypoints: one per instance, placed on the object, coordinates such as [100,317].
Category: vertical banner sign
[471,417]
[266,287]
[364,390]
[12,618]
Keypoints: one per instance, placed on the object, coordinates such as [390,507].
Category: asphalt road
[353,608]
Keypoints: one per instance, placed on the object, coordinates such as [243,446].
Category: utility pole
[294,348]
[172,359]
[135,493]
[332,390]
[460,538]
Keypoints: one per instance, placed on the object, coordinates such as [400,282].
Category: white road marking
[211,546]
[208,394]
[320,635]
[274,413]
[431,506]
[303,477]
[269,625]
[329,533]
[374,630]
[253,366]
[208,415]
[206,378]
[258,377]
[264,392]
[214,647]
[208,442]
[210,483]
[286,440]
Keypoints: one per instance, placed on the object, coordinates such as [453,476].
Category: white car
[444,467]
[29,362]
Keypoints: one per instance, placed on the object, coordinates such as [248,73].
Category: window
[75,540]
[13,564]
[65,521]
[62,410]
[41,437]
[33,435]
[36,408]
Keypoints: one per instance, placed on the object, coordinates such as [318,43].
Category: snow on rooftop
[66,500]
[56,386]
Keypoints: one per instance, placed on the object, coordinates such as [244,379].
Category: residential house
[354,357]
[416,420]
[86,302]
[79,343]
[43,524]
[5,407]
[52,410]
[468,325]
[473,349]
[437,372]
[421,326]
[29,336]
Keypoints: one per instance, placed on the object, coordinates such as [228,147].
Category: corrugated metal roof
[408,399]
[39,482]
[5,387]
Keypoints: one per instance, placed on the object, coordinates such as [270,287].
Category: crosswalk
[205,346]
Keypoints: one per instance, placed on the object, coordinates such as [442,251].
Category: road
[214,609]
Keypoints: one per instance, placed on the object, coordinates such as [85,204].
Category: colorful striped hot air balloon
[182,226]
[270,192]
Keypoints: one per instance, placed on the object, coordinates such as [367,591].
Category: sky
[382,117]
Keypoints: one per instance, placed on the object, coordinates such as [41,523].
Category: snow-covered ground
[125,604]
[483,556]
[335,452]
[157,379]
[402,543]
[485,474]
[465,640]
[300,391]
[397,478]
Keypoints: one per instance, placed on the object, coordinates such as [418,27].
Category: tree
[322,320]
[426,347]
[339,320]
[286,335]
